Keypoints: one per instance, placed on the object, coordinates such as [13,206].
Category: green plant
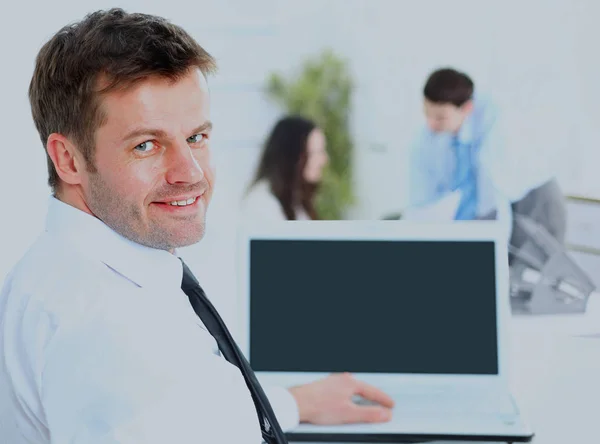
[322,91]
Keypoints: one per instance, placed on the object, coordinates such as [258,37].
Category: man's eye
[144,147]
[196,138]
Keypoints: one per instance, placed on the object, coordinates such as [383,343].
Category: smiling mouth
[182,203]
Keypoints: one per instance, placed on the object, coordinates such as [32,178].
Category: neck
[74,197]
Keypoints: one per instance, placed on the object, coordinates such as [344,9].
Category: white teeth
[183,203]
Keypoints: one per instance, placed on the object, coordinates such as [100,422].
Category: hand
[329,401]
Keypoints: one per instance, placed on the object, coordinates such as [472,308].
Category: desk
[555,375]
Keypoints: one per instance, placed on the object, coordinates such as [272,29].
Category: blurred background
[536,58]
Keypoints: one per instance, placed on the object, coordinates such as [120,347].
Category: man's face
[154,177]
[445,117]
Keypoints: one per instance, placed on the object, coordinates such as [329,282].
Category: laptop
[419,310]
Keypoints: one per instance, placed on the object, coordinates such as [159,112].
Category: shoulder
[260,204]
[49,298]
[426,147]
[54,283]
[420,143]
[423,138]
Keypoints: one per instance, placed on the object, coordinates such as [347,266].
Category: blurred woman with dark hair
[288,174]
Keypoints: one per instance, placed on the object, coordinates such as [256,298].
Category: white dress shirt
[101,345]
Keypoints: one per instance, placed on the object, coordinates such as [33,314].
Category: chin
[190,238]
[173,239]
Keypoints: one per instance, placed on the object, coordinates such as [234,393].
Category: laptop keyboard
[457,403]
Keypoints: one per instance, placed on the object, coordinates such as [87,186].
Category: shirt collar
[144,266]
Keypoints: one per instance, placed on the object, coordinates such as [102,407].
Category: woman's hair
[282,165]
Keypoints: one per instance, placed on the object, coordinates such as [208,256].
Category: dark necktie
[271,430]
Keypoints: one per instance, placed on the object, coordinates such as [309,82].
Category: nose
[183,166]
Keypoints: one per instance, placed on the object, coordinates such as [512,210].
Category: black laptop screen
[421,307]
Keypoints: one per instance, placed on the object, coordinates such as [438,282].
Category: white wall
[538,57]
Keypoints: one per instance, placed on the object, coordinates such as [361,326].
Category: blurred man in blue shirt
[462,149]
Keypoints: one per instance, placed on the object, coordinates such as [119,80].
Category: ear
[468,107]
[68,162]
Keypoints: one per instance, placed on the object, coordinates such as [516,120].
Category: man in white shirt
[463,149]
[100,343]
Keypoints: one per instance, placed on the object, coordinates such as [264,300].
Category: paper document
[441,210]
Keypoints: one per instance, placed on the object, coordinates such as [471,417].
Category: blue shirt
[433,160]
[500,174]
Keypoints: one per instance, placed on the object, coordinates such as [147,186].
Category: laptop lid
[385,300]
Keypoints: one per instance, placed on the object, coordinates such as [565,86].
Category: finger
[374,394]
[367,414]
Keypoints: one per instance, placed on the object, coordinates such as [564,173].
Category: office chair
[561,286]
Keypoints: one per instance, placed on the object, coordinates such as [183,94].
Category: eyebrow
[160,134]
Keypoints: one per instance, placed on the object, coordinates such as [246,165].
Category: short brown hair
[448,85]
[118,47]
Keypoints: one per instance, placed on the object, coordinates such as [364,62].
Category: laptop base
[399,438]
